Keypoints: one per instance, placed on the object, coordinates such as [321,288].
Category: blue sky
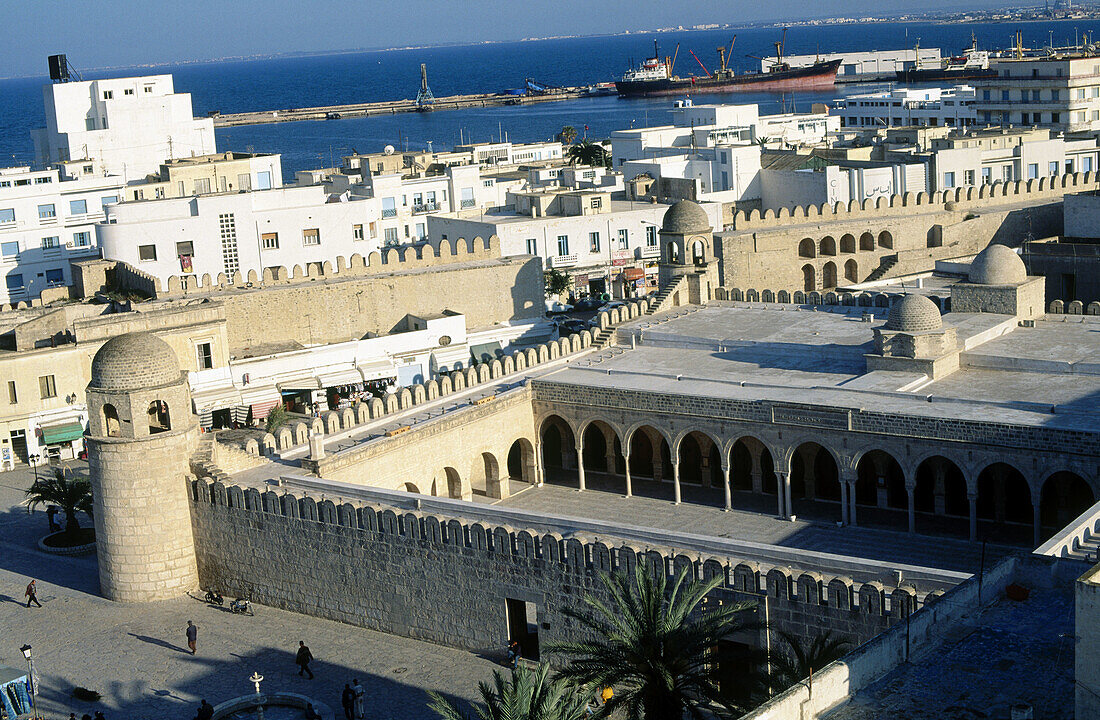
[99,33]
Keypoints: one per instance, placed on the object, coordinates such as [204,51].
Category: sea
[349,77]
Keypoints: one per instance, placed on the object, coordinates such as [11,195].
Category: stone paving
[135,655]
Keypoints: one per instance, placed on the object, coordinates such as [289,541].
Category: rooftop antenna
[424,98]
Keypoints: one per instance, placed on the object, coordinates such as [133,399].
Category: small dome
[134,361]
[684,218]
[914,313]
[997,265]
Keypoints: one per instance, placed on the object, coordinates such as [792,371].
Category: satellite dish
[388,149]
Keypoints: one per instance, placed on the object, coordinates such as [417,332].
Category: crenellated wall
[445,579]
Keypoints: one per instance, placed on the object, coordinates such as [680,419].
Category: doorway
[523,627]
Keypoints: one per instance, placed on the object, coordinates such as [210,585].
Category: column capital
[849,476]
[780,474]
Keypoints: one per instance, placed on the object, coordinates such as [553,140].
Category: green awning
[66,432]
[486,352]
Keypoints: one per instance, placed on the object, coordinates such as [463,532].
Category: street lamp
[26,650]
[34,458]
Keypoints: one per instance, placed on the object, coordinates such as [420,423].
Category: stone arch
[940,490]
[558,443]
[752,465]
[809,278]
[847,243]
[851,270]
[1004,500]
[457,486]
[332,423]
[602,446]
[650,451]
[806,248]
[880,481]
[286,438]
[815,472]
[699,455]
[392,403]
[412,488]
[301,433]
[828,245]
[1064,496]
[485,476]
[111,426]
[828,275]
[886,240]
[522,462]
[866,241]
[160,419]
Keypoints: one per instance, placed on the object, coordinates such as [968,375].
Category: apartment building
[1008,154]
[905,106]
[206,174]
[1057,92]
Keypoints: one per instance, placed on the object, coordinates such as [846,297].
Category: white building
[1008,154]
[47,219]
[900,107]
[881,64]
[605,245]
[1057,92]
[806,180]
[126,126]
[240,232]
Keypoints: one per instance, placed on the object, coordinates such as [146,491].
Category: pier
[392,107]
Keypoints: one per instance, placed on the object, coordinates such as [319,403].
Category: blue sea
[280,83]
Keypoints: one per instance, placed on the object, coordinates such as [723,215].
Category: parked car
[589,304]
[553,307]
[569,327]
[614,304]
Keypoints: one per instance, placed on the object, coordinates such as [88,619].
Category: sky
[112,33]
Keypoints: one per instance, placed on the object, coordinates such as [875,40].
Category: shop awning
[303,381]
[63,432]
[633,273]
[261,398]
[215,399]
[486,352]
[376,369]
[336,378]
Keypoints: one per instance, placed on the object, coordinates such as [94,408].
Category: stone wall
[445,580]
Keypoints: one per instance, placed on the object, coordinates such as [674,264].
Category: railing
[1073,537]
[468,203]
[425,207]
[650,251]
[389,212]
[563,260]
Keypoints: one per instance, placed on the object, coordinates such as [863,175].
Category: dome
[684,218]
[997,265]
[914,313]
[134,361]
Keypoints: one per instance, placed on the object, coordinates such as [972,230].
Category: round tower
[141,434]
[687,249]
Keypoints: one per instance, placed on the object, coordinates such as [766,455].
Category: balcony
[649,251]
[389,212]
[425,208]
[468,203]
[563,261]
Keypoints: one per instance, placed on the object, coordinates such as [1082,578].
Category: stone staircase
[884,267]
[661,301]
[202,460]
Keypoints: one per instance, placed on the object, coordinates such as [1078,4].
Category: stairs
[202,460]
[884,267]
[660,301]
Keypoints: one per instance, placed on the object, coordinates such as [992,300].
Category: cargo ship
[973,64]
[655,77]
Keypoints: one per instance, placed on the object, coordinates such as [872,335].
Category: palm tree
[567,135]
[587,152]
[651,645]
[72,494]
[527,695]
[804,660]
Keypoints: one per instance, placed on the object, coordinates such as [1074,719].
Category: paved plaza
[135,655]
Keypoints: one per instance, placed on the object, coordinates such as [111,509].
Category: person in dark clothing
[303,659]
[206,711]
[312,714]
[347,700]
[192,635]
[32,594]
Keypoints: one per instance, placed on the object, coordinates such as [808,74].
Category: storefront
[631,282]
[62,440]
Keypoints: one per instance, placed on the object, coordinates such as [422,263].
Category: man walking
[359,692]
[192,636]
[32,594]
[347,701]
[303,659]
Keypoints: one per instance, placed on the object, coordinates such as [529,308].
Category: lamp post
[26,650]
[34,458]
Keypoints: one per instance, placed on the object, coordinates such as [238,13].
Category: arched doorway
[806,248]
[700,460]
[558,449]
[111,426]
[809,278]
[159,421]
[940,498]
[485,478]
[651,458]
[851,271]
[814,473]
[847,243]
[828,245]
[866,241]
[521,461]
[880,481]
[699,253]
[1065,495]
[886,240]
[1004,504]
[828,275]
[602,450]
[455,487]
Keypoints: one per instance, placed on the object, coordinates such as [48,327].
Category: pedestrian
[311,714]
[192,631]
[206,711]
[51,515]
[32,594]
[359,693]
[347,700]
[99,715]
[72,716]
[303,659]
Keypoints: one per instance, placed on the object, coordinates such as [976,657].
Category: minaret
[141,433]
[687,249]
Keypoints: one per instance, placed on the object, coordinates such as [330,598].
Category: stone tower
[141,433]
[687,249]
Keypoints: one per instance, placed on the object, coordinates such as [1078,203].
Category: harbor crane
[424,98]
[725,55]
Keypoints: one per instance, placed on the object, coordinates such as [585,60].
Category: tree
[556,282]
[803,660]
[72,494]
[588,153]
[276,418]
[567,135]
[651,644]
[527,695]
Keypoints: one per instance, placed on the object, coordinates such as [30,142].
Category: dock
[391,107]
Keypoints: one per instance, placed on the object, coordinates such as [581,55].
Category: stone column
[782,489]
[626,467]
[580,464]
[540,467]
[849,478]
[973,498]
[757,481]
[726,486]
[787,494]
[911,491]
[1036,519]
[676,479]
[843,502]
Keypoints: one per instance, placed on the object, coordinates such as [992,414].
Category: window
[82,239]
[593,242]
[88,169]
[1052,167]
[1034,96]
[421,231]
[969,177]
[263,180]
[269,241]
[532,246]
[55,276]
[563,244]
[108,200]
[7,215]
[389,207]
[373,227]
[597,203]
[78,207]
[391,236]
[44,180]
[1080,93]
[46,211]
[148,88]
[487,183]
[13,396]
[1086,164]
[311,236]
[356,232]
[1055,95]
[46,387]
[949,179]
[1004,96]
[987,176]
[108,94]
[244,181]
[201,186]
[9,249]
[50,242]
[1006,173]
[147,252]
[1032,171]
[985,95]
[185,247]
[1055,118]
[1024,119]
[204,354]
[651,236]
[14,282]
[589,174]
[624,239]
